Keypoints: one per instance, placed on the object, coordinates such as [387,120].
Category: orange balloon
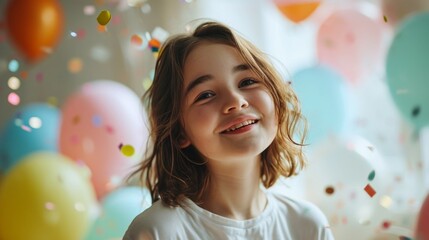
[34,26]
[296,11]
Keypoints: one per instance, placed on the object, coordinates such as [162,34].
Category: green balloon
[407,69]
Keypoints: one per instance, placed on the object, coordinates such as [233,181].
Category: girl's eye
[247,82]
[204,96]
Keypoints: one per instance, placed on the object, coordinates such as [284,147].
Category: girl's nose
[234,101]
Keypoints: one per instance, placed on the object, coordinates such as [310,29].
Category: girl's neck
[234,192]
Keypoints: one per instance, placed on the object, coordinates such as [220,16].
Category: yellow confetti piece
[104,17]
[53,101]
[385,18]
[127,150]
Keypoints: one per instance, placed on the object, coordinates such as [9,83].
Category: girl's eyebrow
[205,78]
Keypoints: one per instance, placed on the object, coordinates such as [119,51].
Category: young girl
[223,122]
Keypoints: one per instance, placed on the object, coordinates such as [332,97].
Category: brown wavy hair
[171,172]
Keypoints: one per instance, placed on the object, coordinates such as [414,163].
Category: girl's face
[220,91]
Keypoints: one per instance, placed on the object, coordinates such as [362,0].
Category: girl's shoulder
[300,210]
[155,222]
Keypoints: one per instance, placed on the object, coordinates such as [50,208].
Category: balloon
[323,95]
[422,230]
[103,127]
[338,172]
[45,197]
[33,128]
[350,43]
[119,208]
[297,10]
[34,26]
[407,70]
[396,11]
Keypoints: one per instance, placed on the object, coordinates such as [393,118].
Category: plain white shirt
[283,218]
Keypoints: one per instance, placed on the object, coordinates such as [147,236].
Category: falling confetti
[385,18]
[35,122]
[14,83]
[75,65]
[127,150]
[13,98]
[89,10]
[49,206]
[416,111]
[104,17]
[97,121]
[386,224]
[13,65]
[368,189]
[386,202]
[329,190]
[371,175]
[136,40]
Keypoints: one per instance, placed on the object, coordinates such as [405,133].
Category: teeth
[248,122]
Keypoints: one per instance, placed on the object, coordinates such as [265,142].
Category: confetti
[385,18]
[329,190]
[416,111]
[75,65]
[89,10]
[386,224]
[96,120]
[371,175]
[49,206]
[127,150]
[76,120]
[136,40]
[13,98]
[39,77]
[104,17]
[154,43]
[368,189]
[35,122]
[386,202]
[53,101]
[14,83]
[13,65]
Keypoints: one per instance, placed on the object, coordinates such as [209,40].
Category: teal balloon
[33,128]
[119,208]
[407,69]
[323,97]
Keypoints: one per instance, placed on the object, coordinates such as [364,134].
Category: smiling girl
[223,125]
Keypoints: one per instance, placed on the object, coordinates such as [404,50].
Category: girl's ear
[184,142]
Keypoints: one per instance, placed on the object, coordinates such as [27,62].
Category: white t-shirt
[283,218]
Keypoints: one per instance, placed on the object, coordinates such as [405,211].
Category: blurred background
[72,125]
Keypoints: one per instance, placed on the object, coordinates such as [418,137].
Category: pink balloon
[350,43]
[422,231]
[103,127]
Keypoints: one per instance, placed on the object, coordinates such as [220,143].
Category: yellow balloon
[45,196]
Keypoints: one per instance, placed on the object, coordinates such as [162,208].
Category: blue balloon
[322,93]
[407,69]
[119,208]
[33,128]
